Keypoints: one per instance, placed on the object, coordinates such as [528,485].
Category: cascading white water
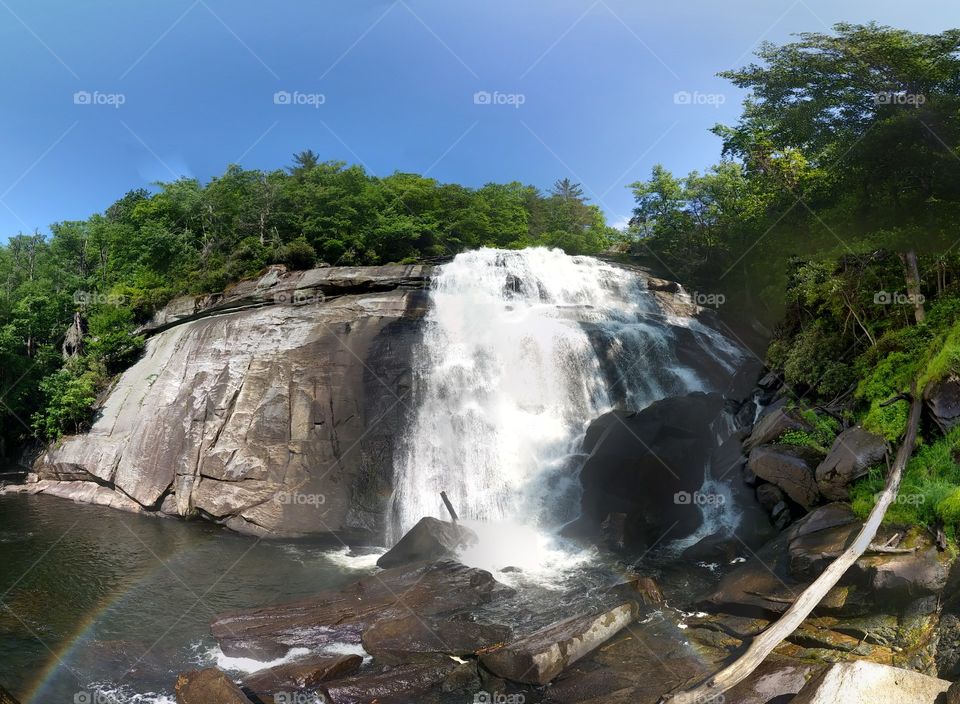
[522,349]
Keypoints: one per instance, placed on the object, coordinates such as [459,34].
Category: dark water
[100,605]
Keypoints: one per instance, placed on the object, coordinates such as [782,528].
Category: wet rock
[773,682]
[636,666]
[613,530]
[464,678]
[781,515]
[811,553]
[641,589]
[422,638]
[943,402]
[424,589]
[302,674]
[430,539]
[772,425]
[948,646]
[853,453]
[648,465]
[862,681]
[770,381]
[541,656]
[769,496]
[206,687]
[901,578]
[790,468]
[403,684]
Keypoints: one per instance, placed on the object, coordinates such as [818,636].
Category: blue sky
[578,88]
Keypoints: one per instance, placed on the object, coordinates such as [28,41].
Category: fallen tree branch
[884,550]
[764,643]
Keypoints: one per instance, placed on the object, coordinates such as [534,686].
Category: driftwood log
[764,643]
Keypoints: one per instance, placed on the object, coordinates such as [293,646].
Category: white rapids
[522,349]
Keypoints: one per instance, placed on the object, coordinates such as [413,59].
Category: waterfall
[521,350]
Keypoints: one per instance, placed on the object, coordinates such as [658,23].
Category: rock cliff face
[276,407]
[272,408]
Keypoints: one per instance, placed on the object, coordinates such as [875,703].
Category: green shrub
[298,254]
[930,490]
[70,395]
[945,357]
[820,438]
[813,359]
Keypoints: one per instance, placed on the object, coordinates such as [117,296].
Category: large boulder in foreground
[272,408]
[208,686]
[853,453]
[423,589]
[543,655]
[430,539]
[869,683]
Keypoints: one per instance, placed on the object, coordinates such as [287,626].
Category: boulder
[943,402]
[207,687]
[404,684]
[541,656]
[864,682]
[769,496]
[772,425]
[773,682]
[853,453]
[415,638]
[306,673]
[902,578]
[423,589]
[649,466]
[790,468]
[272,408]
[430,539]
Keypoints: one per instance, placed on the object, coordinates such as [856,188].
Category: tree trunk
[763,644]
[912,274]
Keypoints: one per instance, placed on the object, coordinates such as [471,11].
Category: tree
[879,108]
